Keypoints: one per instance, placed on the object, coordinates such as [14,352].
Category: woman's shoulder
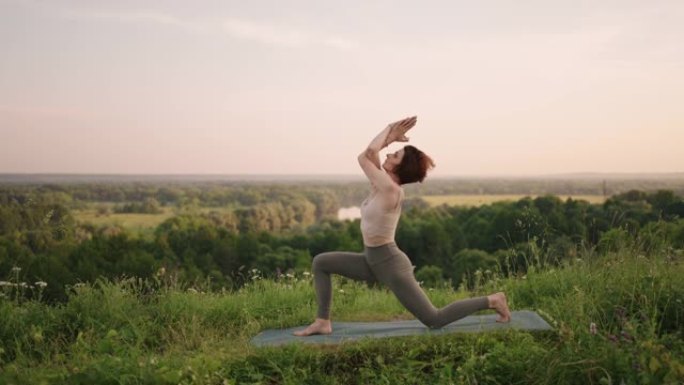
[390,197]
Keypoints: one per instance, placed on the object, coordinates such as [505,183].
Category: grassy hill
[161,332]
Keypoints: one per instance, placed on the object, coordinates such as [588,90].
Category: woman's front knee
[317,262]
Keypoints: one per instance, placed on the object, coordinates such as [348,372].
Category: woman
[382,261]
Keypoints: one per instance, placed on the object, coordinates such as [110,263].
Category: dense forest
[277,228]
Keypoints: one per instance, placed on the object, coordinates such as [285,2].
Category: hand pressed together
[399,128]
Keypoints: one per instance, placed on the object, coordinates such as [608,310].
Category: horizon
[359,176]
[233,88]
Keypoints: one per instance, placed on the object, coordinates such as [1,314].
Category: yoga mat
[349,331]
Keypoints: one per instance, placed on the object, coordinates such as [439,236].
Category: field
[479,200]
[135,222]
[145,223]
[617,319]
[130,221]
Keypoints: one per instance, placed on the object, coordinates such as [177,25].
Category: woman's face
[393,160]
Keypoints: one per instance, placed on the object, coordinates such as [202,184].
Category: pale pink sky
[300,87]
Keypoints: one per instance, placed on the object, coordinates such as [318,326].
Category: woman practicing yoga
[382,261]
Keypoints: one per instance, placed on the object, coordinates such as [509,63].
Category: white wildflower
[5,283]
[16,269]
[192,290]
[341,291]
[41,284]
[306,273]
[592,328]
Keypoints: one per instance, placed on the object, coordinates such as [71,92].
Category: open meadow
[136,222]
[147,222]
[617,319]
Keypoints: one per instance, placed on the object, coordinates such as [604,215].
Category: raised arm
[369,159]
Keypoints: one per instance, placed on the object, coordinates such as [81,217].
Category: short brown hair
[414,165]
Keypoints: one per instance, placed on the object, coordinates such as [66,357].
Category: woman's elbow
[362,156]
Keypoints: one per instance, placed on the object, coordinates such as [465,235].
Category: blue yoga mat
[349,331]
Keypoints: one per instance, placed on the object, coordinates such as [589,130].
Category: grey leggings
[389,265]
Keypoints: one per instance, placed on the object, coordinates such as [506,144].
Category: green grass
[485,199]
[136,332]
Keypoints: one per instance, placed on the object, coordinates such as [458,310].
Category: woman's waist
[383,246]
[388,253]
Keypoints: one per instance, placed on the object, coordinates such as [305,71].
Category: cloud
[282,35]
[244,29]
[139,17]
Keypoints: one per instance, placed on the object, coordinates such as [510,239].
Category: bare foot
[497,301]
[319,326]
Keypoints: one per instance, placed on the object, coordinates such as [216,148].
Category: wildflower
[342,291]
[192,290]
[306,274]
[161,271]
[592,328]
[289,275]
[41,284]
[16,269]
[5,283]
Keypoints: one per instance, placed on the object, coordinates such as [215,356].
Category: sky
[500,87]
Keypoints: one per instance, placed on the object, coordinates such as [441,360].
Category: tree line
[282,231]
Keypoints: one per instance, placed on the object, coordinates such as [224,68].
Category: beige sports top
[378,222]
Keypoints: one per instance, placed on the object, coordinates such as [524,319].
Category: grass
[151,332]
[142,223]
[480,200]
